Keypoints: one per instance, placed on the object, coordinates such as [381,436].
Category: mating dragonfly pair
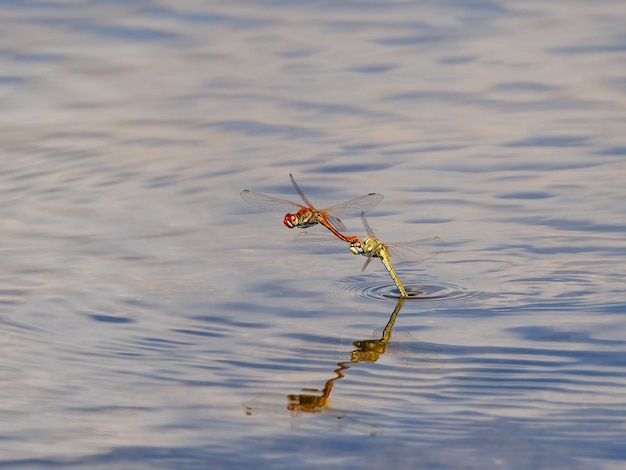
[370,246]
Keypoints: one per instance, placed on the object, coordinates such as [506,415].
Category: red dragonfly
[307,216]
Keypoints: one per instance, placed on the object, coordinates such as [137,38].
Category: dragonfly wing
[416,251]
[269,203]
[338,224]
[304,198]
[321,242]
[366,264]
[368,229]
[355,207]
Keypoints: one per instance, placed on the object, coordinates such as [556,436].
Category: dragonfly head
[356,248]
[291,220]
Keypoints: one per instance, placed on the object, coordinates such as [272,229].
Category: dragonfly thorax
[369,246]
[304,218]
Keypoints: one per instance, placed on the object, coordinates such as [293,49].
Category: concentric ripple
[382,291]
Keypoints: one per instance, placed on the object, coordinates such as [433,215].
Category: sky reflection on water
[142,301]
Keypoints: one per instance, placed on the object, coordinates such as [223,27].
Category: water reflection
[310,400]
[141,303]
[370,350]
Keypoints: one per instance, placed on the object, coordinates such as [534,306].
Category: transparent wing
[321,242]
[410,252]
[304,198]
[368,229]
[335,222]
[344,210]
[269,203]
[366,264]
[355,207]
[415,251]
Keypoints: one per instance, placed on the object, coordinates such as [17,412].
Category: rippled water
[150,318]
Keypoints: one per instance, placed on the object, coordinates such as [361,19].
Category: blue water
[150,318]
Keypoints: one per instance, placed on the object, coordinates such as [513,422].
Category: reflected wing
[355,207]
[265,405]
[282,405]
[416,251]
[346,413]
[269,203]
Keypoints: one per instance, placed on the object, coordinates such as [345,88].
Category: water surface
[150,318]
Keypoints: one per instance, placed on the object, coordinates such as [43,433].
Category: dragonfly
[307,402]
[313,401]
[371,247]
[308,216]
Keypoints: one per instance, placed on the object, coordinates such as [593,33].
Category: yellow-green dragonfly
[307,216]
[371,247]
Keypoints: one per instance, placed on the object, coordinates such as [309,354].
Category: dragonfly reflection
[318,400]
[369,350]
[371,247]
[309,400]
[307,216]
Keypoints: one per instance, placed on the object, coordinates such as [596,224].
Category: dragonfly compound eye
[356,248]
[291,220]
